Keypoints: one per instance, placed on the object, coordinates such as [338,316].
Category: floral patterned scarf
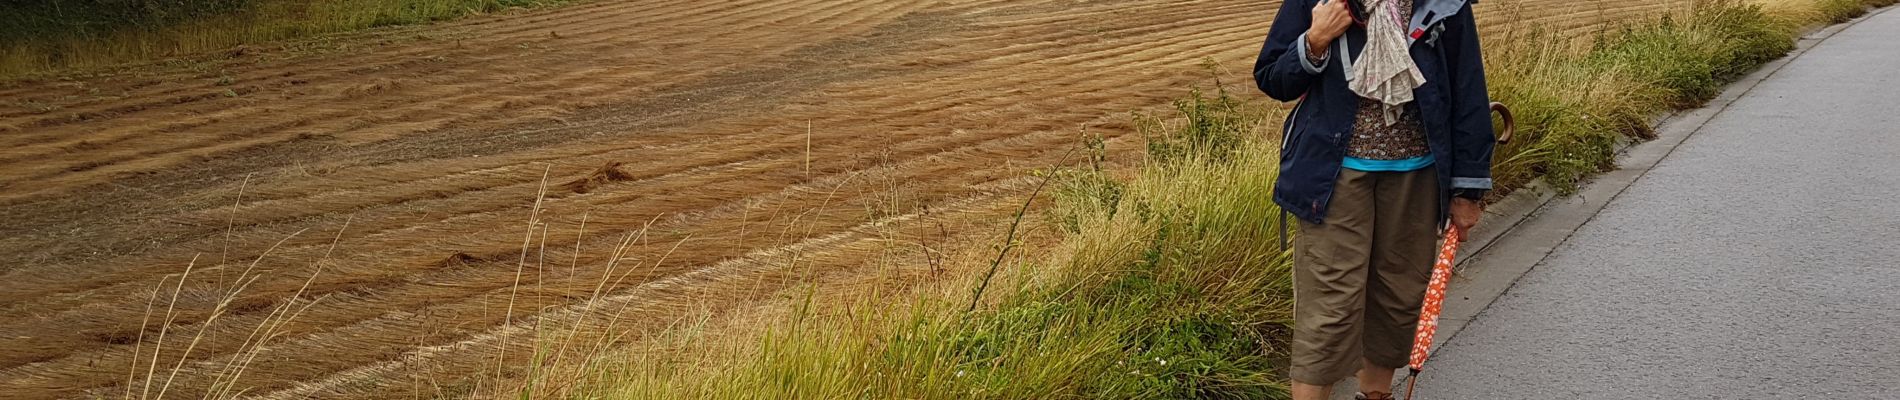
[1385,71]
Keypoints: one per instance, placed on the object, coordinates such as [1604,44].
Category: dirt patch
[607,173]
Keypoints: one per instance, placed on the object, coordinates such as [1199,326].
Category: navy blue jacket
[1453,103]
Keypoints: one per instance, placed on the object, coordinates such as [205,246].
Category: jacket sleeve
[1283,71]
[1471,137]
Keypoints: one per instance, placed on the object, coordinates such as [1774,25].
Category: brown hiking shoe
[1374,396]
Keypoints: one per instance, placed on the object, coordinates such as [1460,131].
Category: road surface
[1760,259]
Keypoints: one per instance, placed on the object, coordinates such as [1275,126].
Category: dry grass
[1810,12]
[161,371]
[1059,322]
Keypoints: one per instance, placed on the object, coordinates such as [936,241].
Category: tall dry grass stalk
[1179,258]
[144,373]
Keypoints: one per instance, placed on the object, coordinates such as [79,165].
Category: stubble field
[420,197]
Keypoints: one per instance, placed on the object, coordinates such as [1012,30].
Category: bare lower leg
[1373,378]
[1302,391]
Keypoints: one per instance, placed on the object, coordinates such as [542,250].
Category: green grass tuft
[46,36]
[1838,11]
[1573,108]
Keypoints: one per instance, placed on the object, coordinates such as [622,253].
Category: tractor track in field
[755,143]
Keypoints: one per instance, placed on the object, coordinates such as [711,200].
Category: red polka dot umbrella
[1434,302]
[1441,275]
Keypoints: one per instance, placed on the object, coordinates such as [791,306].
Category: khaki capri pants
[1359,278]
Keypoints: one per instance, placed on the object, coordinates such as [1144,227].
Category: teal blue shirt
[1405,165]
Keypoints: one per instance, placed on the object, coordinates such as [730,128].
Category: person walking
[1390,140]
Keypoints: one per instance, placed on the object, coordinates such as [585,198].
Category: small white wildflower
[959,373]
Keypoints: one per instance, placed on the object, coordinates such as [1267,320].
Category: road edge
[1526,226]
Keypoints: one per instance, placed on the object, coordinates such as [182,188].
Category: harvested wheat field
[418,198]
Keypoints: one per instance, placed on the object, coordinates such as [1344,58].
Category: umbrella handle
[1510,122]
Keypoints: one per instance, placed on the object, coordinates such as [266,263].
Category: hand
[1330,20]
[1464,215]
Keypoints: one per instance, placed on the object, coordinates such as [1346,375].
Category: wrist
[1317,43]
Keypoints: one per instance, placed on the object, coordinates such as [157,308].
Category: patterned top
[1375,138]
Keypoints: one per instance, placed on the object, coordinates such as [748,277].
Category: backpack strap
[1428,15]
[1283,214]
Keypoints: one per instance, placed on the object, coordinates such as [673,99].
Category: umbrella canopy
[1434,302]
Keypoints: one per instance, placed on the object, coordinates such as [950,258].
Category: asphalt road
[1759,260]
